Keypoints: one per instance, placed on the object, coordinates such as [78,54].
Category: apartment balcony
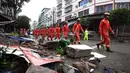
[68,9]
[59,6]
[68,3]
[59,13]
[59,2]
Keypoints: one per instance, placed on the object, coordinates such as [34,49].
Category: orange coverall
[76,29]
[104,29]
[65,31]
[57,32]
[48,33]
[51,32]
[43,32]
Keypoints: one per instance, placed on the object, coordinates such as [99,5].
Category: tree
[23,22]
[120,17]
[16,4]
[83,22]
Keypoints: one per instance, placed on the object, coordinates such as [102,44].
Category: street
[119,59]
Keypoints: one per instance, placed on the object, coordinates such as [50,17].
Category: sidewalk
[119,59]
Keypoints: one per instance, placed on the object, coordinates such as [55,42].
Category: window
[103,8]
[89,1]
[109,7]
[80,13]
[68,9]
[83,13]
[68,2]
[59,21]
[59,6]
[123,5]
[68,17]
[80,3]
[83,2]
[86,12]
[59,13]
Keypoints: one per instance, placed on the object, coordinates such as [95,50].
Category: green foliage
[120,17]
[83,23]
[14,34]
[23,22]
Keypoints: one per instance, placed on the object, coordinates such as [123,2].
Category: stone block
[78,50]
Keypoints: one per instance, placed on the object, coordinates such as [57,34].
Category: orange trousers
[77,37]
[65,35]
[106,40]
[58,35]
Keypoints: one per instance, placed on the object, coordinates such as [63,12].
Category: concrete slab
[78,50]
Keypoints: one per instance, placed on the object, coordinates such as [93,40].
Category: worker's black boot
[98,45]
[79,43]
[74,43]
[108,50]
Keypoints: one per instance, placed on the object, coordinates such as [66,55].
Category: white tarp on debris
[81,47]
[98,55]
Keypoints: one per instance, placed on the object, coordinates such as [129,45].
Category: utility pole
[53,17]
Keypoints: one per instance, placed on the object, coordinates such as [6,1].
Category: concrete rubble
[47,50]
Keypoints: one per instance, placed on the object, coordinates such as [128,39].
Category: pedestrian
[57,30]
[65,30]
[86,34]
[104,29]
[76,29]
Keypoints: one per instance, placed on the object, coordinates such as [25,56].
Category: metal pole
[53,17]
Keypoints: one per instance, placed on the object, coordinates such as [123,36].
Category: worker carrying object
[104,29]
[76,30]
[65,30]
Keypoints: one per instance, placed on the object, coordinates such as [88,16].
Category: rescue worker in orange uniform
[57,30]
[76,29]
[48,33]
[104,29]
[52,30]
[65,30]
[43,32]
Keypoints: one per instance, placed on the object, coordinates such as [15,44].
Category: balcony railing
[67,2]
[59,7]
[68,9]
[59,2]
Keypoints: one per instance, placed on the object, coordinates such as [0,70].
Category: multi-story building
[47,17]
[69,9]
[34,25]
[42,17]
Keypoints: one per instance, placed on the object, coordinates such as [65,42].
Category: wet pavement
[118,60]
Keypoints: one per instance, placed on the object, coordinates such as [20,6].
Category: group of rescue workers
[52,32]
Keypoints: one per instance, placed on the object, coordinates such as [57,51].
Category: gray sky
[34,7]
